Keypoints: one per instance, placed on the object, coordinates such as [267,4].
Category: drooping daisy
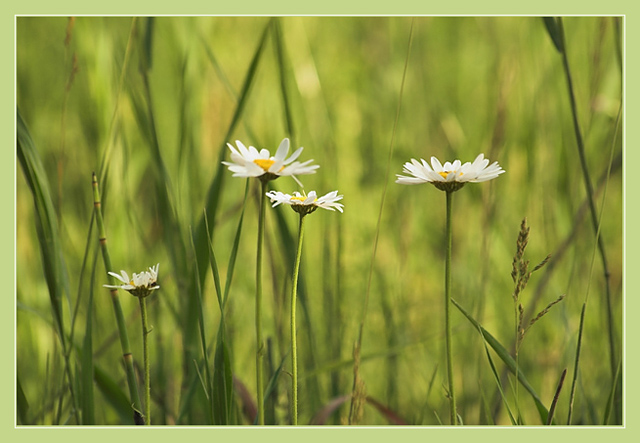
[303,204]
[450,176]
[249,162]
[140,284]
[306,204]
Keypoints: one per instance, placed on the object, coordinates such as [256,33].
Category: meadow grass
[149,104]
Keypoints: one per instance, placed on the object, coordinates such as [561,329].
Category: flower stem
[294,349]
[145,346]
[447,310]
[127,356]
[259,342]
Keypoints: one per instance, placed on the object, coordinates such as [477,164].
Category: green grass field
[149,105]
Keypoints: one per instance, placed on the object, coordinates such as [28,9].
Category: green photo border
[328,7]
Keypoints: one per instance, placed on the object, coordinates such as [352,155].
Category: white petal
[282,151]
[294,156]
[435,163]
[243,150]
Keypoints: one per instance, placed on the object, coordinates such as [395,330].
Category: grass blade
[215,190]
[203,339]
[214,194]
[22,403]
[282,69]
[49,240]
[552,29]
[222,381]
[507,360]
[496,377]
[612,393]
[222,384]
[552,409]
[589,189]
[576,364]
[365,302]
[88,412]
[113,394]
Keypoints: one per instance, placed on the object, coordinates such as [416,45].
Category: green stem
[590,199]
[592,207]
[124,337]
[145,346]
[259,342]
[517,351]
[294,350]
[447,310]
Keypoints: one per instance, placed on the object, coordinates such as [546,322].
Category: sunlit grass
[489,84]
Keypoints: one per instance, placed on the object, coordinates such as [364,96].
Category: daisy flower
[450,176]
[303,204]
[306,204]
[140,284]
[249,162]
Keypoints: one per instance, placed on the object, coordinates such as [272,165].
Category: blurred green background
[149,105]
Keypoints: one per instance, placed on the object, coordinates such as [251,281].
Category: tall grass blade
[50,246]
[589,189]
[203,340]
[234,249]
[496,378]
[556,397]
[186,398]
[222,387]
[113,394]
[552,29]
[584,305]
[215,190]
[223,375]
[612,394]
[146,115]
[113,126]
[507,360]
[22,403]
[214,194]
[365,302]
[282,69]
[576,364]
[88,409]
[222,382]
[273,381]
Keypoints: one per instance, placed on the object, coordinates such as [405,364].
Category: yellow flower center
[302,198]
[264,163]
[444,174]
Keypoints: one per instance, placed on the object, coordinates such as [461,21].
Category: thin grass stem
[294,348]
[592,206]
[584,305]
[576,364]
[358,344]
